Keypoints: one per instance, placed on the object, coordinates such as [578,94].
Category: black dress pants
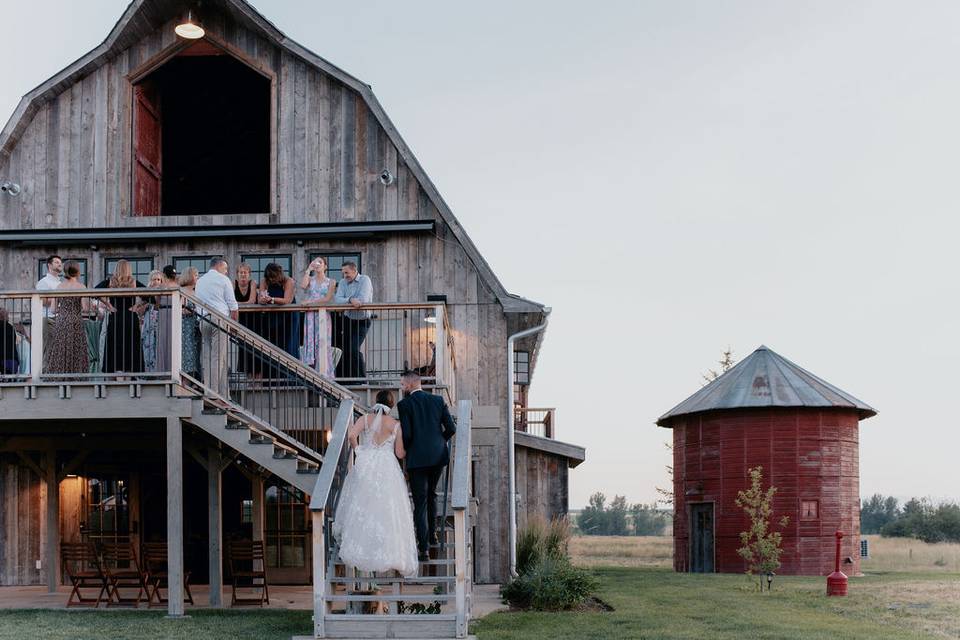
[423,486]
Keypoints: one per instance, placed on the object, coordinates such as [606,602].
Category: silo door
[701,538]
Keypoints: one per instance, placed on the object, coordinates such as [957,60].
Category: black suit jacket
[427,425]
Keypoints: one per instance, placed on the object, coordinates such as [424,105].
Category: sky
[672,178]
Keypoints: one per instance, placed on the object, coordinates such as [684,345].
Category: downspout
[512,454]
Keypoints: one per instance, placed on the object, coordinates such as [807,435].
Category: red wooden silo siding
[809,454]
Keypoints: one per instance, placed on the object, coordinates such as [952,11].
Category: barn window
[42,267]
[201,135]
[182,263]
[258,262]
[809,509]
[335,262]
[141,268]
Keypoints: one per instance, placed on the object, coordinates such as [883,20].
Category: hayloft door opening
[202,134]
[701,538]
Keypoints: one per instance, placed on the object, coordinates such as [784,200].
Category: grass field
[910,590]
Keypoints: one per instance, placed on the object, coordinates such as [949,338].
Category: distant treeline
[620,519]
[917,518]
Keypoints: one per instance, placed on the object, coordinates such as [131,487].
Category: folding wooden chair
[154,556]
[243,554]
[83,568]
[122,569]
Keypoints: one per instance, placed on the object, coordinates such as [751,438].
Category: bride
[374,520]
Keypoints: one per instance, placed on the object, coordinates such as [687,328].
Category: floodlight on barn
[190,27]
[804,432]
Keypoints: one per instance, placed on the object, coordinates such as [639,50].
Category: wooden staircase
[260,422]
[343,604]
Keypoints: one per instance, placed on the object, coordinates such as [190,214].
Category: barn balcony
[415,336]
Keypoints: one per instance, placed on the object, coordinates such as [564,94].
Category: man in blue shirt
[350,329]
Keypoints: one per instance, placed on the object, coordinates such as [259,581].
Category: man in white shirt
[215,290]
[50,282]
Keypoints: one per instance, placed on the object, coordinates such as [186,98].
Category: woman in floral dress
[190,327]
[318,290]
[67,352]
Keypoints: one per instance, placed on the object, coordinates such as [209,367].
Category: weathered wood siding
[75,166]
[542,484]
[22,532]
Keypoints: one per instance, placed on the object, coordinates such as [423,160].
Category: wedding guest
[49,282]
[190,328]
[245,291]
[122,346]
[9,353]
[68,347]
[319,290]
[355,290]
[244,287]
[151,313]
[164,319]
[215,290]
[277,288]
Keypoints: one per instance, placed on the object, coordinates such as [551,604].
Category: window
[286,526]
[42,267]
[335,262]
[258,262]
[108,518]
[809,509]
[141,268]
[521,367]
[201,135]
[182,263]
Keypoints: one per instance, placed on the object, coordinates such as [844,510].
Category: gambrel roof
[142,17]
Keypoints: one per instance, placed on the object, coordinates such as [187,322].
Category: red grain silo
[767,411]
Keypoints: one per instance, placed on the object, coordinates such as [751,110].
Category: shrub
[540,539]
[546,580]
[552,584]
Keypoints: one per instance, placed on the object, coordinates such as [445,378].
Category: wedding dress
[374,520]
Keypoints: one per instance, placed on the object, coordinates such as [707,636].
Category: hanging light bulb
[190,27]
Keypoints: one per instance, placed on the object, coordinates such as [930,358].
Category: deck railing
[129,333]
[98,335]
[537,422]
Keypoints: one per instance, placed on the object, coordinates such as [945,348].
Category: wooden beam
[53,522]
[256,482]
[27,460]
[215,526]
[197,455]
[319,575]
[175,517]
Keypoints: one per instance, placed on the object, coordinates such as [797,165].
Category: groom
[427,425]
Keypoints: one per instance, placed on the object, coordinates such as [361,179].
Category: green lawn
[649,603]
[657,603]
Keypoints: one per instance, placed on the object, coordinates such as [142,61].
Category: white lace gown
[374,518]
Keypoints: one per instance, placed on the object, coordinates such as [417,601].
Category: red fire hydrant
[837,581]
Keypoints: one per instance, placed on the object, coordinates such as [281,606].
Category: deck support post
[53,522]
[256,485]
[174,517]
[215,526]
[319,575]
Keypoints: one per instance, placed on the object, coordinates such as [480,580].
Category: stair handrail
[460,501]
[232,327]
[336,457]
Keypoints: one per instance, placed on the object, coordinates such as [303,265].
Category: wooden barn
[162,150]
[766,411]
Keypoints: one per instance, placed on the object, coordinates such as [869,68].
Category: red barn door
[146,150]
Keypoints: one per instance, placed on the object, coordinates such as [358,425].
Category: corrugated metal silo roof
[766,379]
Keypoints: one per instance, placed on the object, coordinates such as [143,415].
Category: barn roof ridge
[144,10]
[766,379]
